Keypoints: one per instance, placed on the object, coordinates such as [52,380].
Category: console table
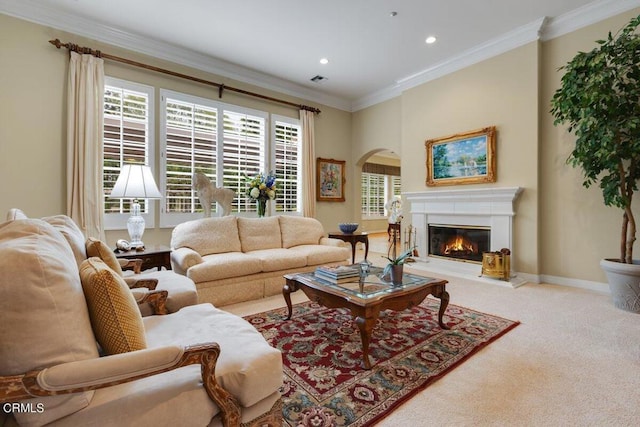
[353,238]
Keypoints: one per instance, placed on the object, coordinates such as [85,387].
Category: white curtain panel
[308,164]
[85,203]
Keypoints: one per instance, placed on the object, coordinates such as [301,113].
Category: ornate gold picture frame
[330,180]
[463,158]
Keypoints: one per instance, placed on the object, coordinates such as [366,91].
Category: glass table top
[372,286]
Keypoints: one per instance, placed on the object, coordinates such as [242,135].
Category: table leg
[289,287]
[366,247]
[365,325]
[353,252]
[444,302]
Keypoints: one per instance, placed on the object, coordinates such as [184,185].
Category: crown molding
[586,15]
[506,42]
[543,29]
[38,13]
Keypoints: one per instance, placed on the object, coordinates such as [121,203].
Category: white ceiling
[278,44]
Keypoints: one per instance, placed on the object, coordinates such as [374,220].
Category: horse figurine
[209,193]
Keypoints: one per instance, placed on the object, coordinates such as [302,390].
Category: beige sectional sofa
[233,259]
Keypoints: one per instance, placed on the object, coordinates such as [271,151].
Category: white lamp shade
[135,182]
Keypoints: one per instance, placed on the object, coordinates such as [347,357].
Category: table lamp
[135,182]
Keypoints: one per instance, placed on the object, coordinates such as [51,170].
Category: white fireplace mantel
[485,207]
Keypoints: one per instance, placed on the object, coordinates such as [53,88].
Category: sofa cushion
[279,259]
[71,232]
[259,233]
[208,235]
[300,231]
[223,266]
[115,317]
[97,248]
[248,367]
[321,254]
[43,312]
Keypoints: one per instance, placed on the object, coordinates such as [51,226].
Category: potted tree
[599,100]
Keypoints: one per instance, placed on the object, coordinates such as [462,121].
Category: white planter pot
[624,282]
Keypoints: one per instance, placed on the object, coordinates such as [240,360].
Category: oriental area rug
[324,383]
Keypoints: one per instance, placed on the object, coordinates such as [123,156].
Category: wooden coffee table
[366,299]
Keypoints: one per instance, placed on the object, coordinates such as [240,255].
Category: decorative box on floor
[497,264]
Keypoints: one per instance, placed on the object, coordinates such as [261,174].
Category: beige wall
[501,92]
[32,132]
[577,229]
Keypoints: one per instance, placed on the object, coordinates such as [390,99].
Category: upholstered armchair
[75,349]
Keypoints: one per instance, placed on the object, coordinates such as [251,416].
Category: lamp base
[135,226]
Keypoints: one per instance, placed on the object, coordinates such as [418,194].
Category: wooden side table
[152,257]
[393,229]
[353,238]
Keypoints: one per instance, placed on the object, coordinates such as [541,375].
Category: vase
[396,274]
[262,207]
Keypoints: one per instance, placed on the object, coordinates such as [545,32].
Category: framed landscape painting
[330,182]
[464,158]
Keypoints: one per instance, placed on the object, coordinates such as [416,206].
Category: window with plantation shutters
[244,153]
[128,138]
[190,135]
[227,143]
[287,152]
[373,194]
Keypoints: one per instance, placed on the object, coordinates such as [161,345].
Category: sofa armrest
[131,264]
[135,282]
[93,374]
[329,241]
[151,303]
[184,258]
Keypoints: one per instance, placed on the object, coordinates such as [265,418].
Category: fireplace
[484,214]
[458,242]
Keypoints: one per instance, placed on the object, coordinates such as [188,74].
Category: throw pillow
[72,233]
[97,248]
[115,318]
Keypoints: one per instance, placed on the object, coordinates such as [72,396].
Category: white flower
[255,192]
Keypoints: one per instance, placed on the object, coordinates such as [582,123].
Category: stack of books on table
[337,274]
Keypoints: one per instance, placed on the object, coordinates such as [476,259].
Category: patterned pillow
[97,248]
[115,318]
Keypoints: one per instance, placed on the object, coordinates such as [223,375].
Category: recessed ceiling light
[324,61]
[430,39]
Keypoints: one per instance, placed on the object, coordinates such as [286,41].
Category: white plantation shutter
[128,137]
[373,194]
[287,140]
[396,185]
[244,152]
[190,145]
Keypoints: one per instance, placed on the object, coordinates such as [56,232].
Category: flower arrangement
[261,188]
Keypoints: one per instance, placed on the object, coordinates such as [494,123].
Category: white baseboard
[472,272]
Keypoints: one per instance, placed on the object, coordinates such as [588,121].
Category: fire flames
[458,245]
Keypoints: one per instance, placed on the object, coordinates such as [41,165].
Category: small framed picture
[464,158]
[331,179]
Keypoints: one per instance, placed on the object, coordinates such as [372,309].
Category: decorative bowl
[348,227]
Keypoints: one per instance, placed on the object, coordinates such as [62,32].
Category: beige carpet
[573,361]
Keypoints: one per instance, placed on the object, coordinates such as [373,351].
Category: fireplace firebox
[459,242]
